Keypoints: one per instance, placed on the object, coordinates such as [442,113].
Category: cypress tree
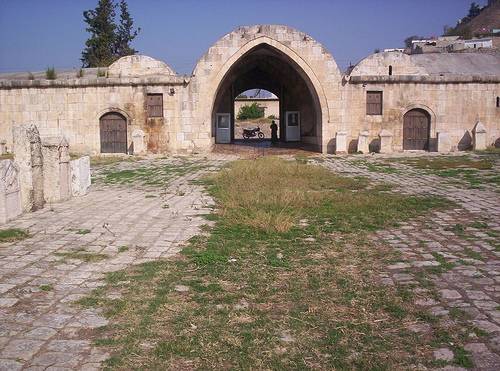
[125,32]
[99,48]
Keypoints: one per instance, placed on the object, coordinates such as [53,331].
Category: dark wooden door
[113,128]
[416,130]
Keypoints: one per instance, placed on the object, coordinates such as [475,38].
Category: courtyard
[298,261]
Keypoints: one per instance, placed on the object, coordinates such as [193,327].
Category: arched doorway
[113,133]
[265,67]
[416,130]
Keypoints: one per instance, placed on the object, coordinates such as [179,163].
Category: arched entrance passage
[266,67]
[113,133]
[416,130]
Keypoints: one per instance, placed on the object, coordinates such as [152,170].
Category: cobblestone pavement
[132,218]
[74,243]
[456,250]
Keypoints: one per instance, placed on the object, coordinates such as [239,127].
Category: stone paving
[120,224]
[113,226]
[457,249]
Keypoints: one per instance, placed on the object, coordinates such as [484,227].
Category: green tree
[252,111]
[99,48]
[125,32]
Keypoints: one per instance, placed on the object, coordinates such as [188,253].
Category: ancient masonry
[388,102]
[40,173]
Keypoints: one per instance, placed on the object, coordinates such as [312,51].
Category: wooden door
[113,129]
[416,130]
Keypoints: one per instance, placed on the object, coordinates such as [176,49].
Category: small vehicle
[252,132]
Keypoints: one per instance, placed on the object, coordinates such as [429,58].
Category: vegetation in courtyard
[81,254]
[474,170]
[157,175]
[7,156]
[108,41]
[13,234]
[285,279]
[108,160]
[250,111]
[448,162]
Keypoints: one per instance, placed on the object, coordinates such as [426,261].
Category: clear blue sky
[35,34]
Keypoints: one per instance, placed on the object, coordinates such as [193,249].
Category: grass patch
[7,156]
[462,358]
[88,257]
[377,167]
[266,292]
[79,231]
[447,163]
[473,254]
[109,160]
[345,204]
[47,287]
[156,176]
[458,229]
[13,234]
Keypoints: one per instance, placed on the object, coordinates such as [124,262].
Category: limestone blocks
[27,148]
[363,142]
[10,195]
[479,137]
[385,141]
[56,169]
[80,176]
[443,142]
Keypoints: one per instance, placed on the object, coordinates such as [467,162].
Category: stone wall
[454,108]
[75,111]
[73,106]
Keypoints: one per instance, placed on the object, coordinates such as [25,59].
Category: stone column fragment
[443,142]
[479,137]
[138,141]
[56,171]
[27,148]
[341,142]
[385,141]
[363,142]
[10,195]
[80,176]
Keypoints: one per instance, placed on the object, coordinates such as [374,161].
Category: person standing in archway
[274,132]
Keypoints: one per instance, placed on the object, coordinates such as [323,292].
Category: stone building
[389,101]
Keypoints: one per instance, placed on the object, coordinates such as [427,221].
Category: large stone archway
[248,56]
[265,67]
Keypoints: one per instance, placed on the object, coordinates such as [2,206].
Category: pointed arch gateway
[263,66]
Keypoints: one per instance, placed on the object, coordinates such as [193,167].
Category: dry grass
[285,280]
[448,162]
[13,234]
[269,193]
[7,156]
